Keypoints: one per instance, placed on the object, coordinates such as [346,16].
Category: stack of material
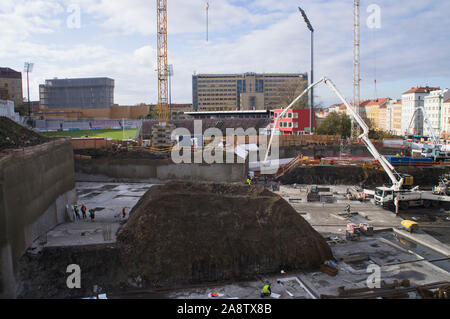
[161,135]
[199,232]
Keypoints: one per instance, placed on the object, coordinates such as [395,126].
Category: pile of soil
[185,232]
[13,135]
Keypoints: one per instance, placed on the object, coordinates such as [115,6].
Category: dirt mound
[186,232]
[13,135]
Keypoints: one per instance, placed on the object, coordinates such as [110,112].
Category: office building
[249,91]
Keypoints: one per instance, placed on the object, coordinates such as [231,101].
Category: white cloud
[262,36]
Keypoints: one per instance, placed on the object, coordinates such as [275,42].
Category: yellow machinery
[410,226]
[163,68]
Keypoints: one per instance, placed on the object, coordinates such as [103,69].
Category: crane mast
[163,71]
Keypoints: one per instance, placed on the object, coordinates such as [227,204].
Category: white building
[7,110]
[411,100]
[446,120]
[434,108]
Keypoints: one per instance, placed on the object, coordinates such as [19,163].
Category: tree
[288,91]
[152,114]
[335,124]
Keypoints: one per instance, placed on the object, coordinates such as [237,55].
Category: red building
[294,122]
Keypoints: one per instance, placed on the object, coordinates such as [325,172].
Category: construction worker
[348,209]
[92,214]
[75,210]
[266,291]
[83,211]
[249,181]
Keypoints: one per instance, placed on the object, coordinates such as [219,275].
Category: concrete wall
[162,170]
[36,184]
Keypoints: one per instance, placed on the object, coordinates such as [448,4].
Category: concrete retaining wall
[161,170]
[36,184]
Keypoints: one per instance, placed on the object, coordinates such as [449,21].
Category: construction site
[305,216]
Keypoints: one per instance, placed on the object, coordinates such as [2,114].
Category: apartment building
[433,104]
[394,117]
[446,120]
[375,111]
[11,86]
[411,100]
[249,91]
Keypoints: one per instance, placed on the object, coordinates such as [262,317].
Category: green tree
[335,124]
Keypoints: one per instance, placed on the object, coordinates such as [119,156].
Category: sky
[404,43]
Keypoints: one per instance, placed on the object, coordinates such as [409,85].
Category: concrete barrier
[161,170]
[36,184]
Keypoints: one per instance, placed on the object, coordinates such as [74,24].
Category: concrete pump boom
[397,180]
[427,121]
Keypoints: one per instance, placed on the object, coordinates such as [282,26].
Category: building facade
[294,122]
[433,104]
[375,113]
[7,110]
[411,100]
[446,120]
[11,86]
[394,117]
[249,91]
[77,93]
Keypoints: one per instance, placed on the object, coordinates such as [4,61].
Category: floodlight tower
[28,68]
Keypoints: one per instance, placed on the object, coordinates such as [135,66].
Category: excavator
[401,194]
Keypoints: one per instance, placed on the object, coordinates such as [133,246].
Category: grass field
[114,134]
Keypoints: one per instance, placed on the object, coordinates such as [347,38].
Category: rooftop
[425,89]
[10,74]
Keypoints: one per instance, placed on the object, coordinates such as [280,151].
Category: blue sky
[117,39]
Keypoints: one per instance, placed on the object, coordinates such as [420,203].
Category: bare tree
[287,92]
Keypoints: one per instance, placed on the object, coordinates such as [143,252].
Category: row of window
[289,124]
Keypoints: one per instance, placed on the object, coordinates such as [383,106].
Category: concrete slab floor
[107,199]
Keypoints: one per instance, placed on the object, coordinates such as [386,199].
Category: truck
[436,153]
[401,194]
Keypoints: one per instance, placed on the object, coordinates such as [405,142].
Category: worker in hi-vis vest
[266,291]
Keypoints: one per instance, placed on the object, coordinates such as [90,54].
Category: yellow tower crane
[163,69]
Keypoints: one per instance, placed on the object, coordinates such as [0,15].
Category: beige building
[249,91]
[394,117]
[11,85]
